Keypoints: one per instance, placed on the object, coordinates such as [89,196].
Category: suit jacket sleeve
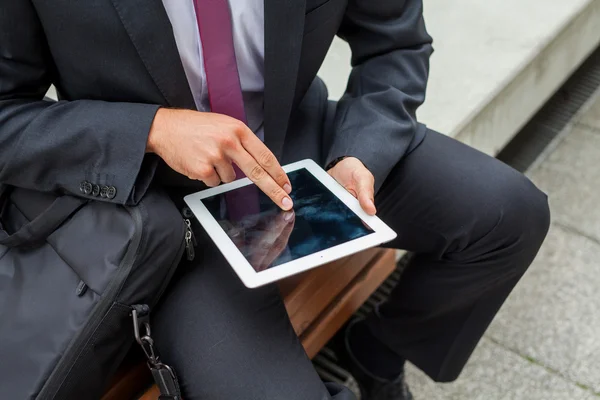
[375,119]
[55,146]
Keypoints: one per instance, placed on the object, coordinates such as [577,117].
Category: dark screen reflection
[267,238]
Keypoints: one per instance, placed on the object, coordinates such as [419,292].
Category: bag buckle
[141,319]
[163,374]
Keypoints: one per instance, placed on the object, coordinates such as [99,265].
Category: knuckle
[257,173]
[281,176]
[239,128]
[275,193]
[213,157]
[218,155]
[228,141]
[267,159]
[229,177]
[191,175]
[204,171]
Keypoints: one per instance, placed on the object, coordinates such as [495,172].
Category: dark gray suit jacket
[115,62]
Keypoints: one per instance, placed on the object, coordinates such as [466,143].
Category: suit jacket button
[112,192]
[104,192]
[96,190]
[86,188]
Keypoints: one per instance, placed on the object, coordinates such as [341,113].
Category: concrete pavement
[545,342]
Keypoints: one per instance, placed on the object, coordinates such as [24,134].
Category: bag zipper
[81,289]
[58,376]
[189,243]
[173,266]
[190,240]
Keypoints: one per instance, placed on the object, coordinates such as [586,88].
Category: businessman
[178,92]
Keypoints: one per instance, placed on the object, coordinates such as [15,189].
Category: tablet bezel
[252,279]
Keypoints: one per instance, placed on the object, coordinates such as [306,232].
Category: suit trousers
[474,224]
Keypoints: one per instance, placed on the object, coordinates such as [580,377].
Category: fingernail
[288,216]
[288,188]
[287,203]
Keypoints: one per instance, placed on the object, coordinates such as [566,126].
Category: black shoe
[371,386]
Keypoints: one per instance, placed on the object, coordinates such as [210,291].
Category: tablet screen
[269,237]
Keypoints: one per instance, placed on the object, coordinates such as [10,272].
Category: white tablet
[264,244]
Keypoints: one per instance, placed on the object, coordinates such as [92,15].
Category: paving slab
[570,175]
[586,369]
[550,387]
[495,373]
[552,316]
[591,118]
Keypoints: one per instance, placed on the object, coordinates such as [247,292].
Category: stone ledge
[496,63]
[499,118]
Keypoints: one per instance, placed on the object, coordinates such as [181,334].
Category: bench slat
[345,304]
[308,295]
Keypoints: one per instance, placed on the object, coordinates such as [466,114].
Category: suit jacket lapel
[284,29]
[150,30]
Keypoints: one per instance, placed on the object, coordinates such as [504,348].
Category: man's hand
[203,145]
[352,174]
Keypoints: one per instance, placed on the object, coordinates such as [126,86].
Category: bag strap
[43,225]
[163,374]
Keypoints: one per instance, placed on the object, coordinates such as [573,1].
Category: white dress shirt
[248,41]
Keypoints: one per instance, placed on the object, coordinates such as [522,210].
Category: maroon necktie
[224,88]
[222,78]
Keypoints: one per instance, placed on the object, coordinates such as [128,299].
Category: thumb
[365,189]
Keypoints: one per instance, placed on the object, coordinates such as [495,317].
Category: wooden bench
[318,302]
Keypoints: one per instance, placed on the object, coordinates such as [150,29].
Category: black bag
[73,274]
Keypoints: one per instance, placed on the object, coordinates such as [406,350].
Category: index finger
[265,182]
[267,160]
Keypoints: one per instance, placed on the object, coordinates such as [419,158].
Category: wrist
[334,162]
[158,126]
